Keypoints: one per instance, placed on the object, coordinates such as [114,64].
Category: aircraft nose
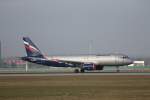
[128,61]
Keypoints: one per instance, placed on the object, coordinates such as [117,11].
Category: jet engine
[91,66]
[88,66]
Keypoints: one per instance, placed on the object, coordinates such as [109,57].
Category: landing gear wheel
[118,69]
[82,70]
[76,70]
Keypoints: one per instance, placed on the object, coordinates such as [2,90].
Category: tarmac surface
[71,74]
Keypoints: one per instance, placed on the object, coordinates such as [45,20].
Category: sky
[67,27]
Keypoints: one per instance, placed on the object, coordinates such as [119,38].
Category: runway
[72,74]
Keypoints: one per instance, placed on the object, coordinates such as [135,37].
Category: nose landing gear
[117,67]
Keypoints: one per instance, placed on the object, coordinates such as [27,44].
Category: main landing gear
[81,70]
[76,70]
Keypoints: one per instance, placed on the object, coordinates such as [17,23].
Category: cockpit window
[125,57]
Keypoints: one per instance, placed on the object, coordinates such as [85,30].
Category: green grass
[75,88]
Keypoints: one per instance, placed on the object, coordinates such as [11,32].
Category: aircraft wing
[69,63]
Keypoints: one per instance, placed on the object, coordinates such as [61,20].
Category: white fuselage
[97,60]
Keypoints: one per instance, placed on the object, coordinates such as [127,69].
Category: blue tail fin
[31,49]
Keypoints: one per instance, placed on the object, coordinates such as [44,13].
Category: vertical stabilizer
[31,49]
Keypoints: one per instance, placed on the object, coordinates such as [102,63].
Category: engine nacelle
[90,66]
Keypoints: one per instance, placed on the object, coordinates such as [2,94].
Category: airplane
[80,63]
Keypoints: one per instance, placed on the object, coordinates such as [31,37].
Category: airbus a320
[80,63]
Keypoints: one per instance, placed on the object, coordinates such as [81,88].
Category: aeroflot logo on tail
[30,47]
